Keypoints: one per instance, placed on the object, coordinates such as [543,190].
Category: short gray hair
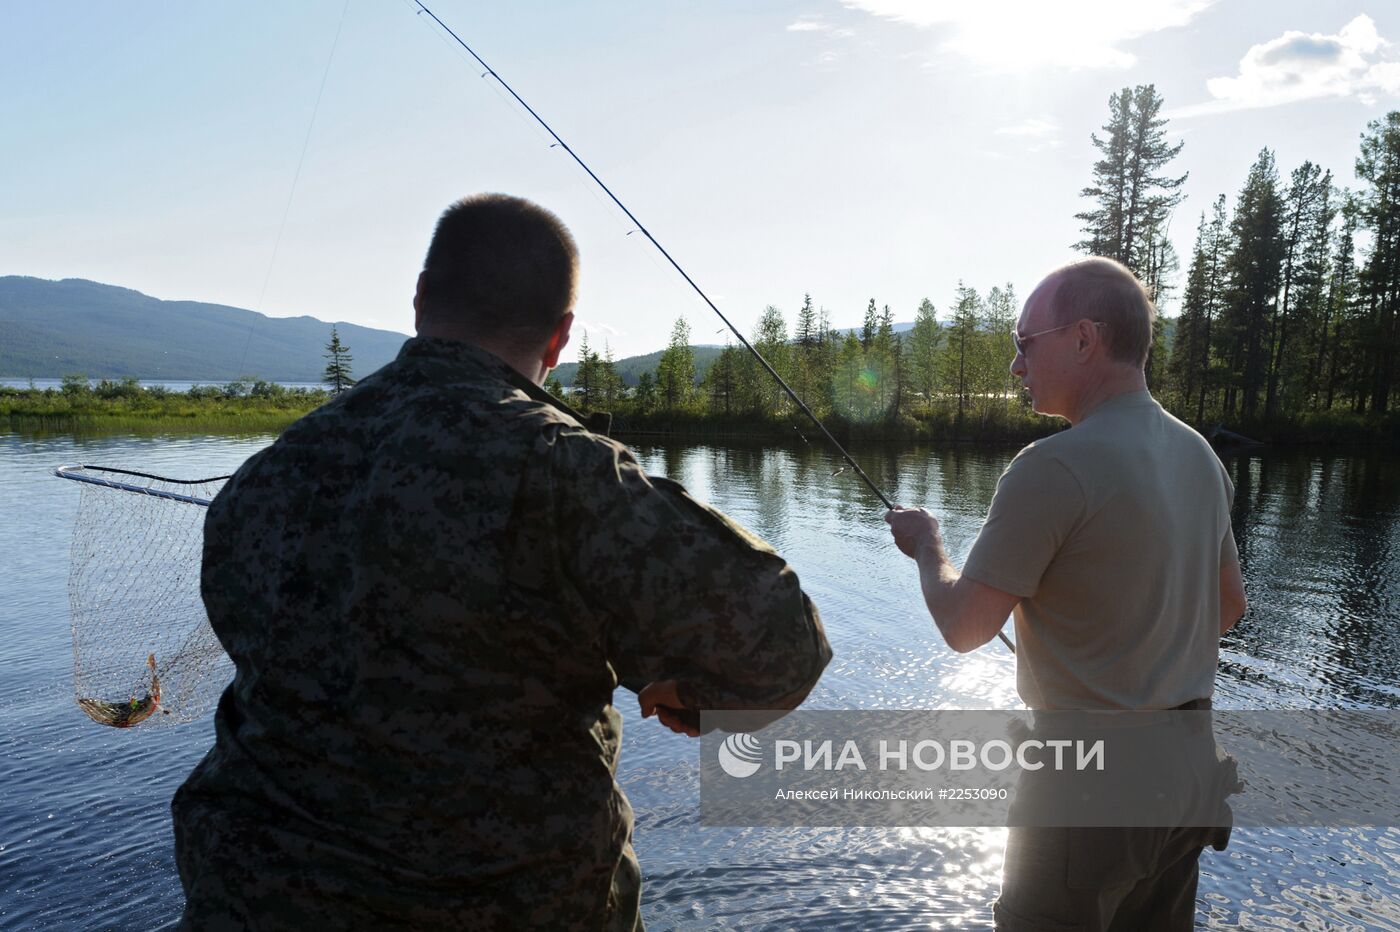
[1104,290]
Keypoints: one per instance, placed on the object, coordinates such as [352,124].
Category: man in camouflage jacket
[430,588]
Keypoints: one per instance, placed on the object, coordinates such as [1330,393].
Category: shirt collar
[466,354]
[487,364]
[1137,399]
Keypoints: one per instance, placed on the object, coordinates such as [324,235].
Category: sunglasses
[1021,342]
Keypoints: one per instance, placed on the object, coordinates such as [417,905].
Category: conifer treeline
[1283,314]
[1290,310]
[952,374]
[1279,317]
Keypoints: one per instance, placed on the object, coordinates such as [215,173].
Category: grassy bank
[128,407]
[264,407]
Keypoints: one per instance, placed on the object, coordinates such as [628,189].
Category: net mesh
[143,651]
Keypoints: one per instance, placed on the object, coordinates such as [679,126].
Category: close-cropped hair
[499,265]
[1104,290]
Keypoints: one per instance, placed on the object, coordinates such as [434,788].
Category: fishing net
[143,650]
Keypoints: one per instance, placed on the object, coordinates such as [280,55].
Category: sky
[850,149]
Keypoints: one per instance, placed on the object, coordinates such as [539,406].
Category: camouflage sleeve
[687,594]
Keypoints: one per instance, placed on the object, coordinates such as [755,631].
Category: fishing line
[296,176]
[609,210]
[640,228]
[661,249]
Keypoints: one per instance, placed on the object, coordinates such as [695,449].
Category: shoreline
[263,407]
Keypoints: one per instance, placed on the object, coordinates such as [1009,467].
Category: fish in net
[143,650]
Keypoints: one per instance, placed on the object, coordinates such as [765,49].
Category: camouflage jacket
[430,587]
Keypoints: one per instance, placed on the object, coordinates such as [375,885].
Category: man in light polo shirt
[1111,543]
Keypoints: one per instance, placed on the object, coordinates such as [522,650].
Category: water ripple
[84,821]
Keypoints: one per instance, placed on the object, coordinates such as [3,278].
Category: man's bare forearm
[938,579]
[968,613]
[1233,603]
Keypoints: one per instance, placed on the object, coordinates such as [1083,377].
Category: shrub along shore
[125,406]
[254,406]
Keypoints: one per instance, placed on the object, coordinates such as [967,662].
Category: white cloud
[1035,127]
[592,327]
[1037,134]
[810,24]
[1386,77]
[1355,62]
[1015,35]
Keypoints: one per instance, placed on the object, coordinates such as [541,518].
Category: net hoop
[83,473]
[141,641]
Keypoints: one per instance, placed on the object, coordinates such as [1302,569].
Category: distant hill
[894,325]
[632,367]
[51,329]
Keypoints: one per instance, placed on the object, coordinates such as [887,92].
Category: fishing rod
[802,405]
[661,249]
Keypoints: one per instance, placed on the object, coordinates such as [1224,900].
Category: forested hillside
[49,329]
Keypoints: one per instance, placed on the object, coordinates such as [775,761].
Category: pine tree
[807,339]
[675,371]
[1254,269]
[338,359]
[882,361]
[645,397]
[886,329]
[1133,195]
[824,359]
[1162,263]
[1216,248]
[924,341]
[1336,345]
[610,384]
[807,332]
[870,324]
[1000,322]
[1103,226]
[960,349]
[1314,286]
[1379,213]
[770,339]
[586,387]
[1305,221]
[899,376]
[1191,349]
[850,389]
[720,382]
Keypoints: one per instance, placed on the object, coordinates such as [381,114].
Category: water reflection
[1318,539]
[1319,542]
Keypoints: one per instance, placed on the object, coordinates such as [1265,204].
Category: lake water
[85,837]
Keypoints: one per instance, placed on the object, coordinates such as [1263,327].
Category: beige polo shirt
[1113,533]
